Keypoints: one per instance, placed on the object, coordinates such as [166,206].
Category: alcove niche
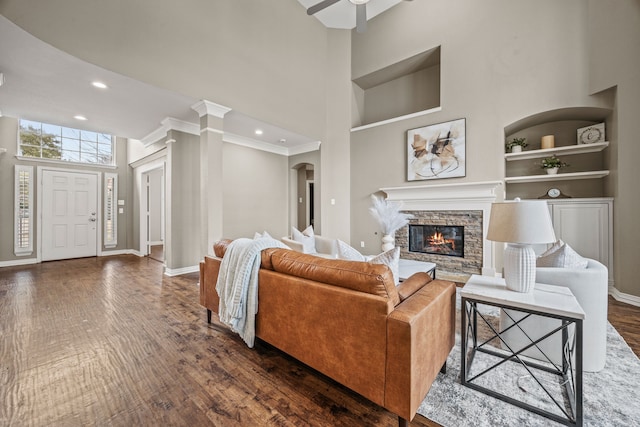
[588,163]
[404,88]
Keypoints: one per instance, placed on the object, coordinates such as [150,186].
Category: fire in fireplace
[437,239]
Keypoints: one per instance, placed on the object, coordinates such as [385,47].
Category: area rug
[611,396]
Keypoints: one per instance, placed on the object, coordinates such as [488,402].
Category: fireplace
[437,239]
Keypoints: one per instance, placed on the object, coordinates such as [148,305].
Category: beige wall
[498,68]
[255,192]
[614,60]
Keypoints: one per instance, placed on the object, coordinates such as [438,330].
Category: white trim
[167,124]
[64,163]
[157,162]
[156,243]
[170,141]
[252,143]
[180,125]
[178,271]
[304,148]
[15,262]
[622,297]
[122,252]
[460,196]
[214,130]
[397,119]
[162,153]
[205,107]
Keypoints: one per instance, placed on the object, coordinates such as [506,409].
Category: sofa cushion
[391,259]
[561,255]
[348,252]
[306,237]
[365,277]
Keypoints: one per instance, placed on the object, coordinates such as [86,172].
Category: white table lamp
[520,224]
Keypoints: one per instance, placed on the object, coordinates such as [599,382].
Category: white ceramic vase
[552,171]
[516,149]
[388,242]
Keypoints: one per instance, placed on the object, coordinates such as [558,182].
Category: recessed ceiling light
[99,85]
[79,117]
[258,131]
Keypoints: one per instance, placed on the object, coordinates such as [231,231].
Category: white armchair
[590,287]
[324,246]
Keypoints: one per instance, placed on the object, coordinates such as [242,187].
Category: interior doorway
[154,201]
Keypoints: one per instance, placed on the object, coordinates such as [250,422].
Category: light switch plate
[120,202]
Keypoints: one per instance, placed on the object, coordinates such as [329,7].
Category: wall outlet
[362,244]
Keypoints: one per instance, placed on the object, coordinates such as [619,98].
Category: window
[23,231]
[45,141]
[110,210]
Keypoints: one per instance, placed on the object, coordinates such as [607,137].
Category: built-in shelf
[566,150]
[556,177]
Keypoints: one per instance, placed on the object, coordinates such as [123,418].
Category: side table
[407,267]
[546,300]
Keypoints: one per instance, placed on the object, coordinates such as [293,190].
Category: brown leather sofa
[348,320]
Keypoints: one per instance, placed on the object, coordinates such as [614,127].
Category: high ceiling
[45,84]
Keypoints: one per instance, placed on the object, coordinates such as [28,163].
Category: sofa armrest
[420,336]
[209,269]
[412,285]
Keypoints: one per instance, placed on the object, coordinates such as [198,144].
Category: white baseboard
[121,252]
[622,297]
[156,243]
[15,262]
[184,270]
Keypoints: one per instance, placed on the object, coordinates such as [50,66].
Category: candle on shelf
[547,141]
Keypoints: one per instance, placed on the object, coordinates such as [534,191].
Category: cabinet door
[585,227]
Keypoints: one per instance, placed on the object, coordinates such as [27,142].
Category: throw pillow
[348,252]
[306,237]
[391,259]
[561,255]
[261,236]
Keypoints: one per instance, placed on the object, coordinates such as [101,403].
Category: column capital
[205,107]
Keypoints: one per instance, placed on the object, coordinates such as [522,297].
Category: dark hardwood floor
[111,341]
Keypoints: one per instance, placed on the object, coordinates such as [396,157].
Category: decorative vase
[547,141]
[388,242]
[516,149]
[552,171]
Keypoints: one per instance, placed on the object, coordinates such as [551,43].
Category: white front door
[69,215]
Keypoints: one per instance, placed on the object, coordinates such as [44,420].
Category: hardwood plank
[112,341]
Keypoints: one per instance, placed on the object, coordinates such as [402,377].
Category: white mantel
[472,196]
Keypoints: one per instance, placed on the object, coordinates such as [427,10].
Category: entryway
[69,214]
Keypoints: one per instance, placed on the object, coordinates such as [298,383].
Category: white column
[211,176]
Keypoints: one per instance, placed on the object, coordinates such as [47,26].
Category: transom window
[45,141]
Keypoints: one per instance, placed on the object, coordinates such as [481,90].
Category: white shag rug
[611,396]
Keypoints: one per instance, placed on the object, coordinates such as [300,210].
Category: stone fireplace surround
[469,202]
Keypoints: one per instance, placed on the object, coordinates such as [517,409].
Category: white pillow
[348,252]
[306,237]
[391,259]
[561,255]
[261,236]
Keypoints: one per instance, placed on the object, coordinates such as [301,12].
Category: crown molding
[255,144]
[209,108]
[170,123]
[304,148]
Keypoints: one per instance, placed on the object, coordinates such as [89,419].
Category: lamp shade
[519,221]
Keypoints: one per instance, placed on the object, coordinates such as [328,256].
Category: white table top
[407,267]
[549,299]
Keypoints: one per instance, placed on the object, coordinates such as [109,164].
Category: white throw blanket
[237,285]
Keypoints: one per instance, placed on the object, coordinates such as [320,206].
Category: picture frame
[591,134]
[437,151]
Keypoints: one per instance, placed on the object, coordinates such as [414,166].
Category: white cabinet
[587,226]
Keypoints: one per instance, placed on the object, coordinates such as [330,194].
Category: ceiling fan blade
[319,6]
[361,18]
